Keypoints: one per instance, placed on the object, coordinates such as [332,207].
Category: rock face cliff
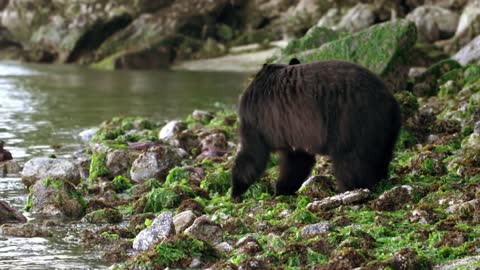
[155,33]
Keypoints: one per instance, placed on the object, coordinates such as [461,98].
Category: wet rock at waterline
[9,167]
[38,169]
[161,227]
[26,230]
[52,197]
[9,214]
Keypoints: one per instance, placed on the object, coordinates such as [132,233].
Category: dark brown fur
[330,108]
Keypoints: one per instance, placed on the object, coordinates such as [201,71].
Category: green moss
[472,74]
[103,216]
[405,140]
[314,38]
[161,198]
[98,166]
[111,236]
[176,175]
[408,103]
[121,183]
[217,182]
[173,251]
[57,184]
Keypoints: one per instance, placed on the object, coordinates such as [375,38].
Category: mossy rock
[382,48]
[104,216]
[408,103]
[314,38]
[426,84]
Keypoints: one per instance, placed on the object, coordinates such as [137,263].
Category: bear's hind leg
[295,166]
[354,172]
[250,162]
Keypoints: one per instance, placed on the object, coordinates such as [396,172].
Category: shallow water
[44,107]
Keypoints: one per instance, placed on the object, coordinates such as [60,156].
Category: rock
[119,161]
[472,142]
[205,230]
[330,19]
[104,216]
[394,199]
[248,245]
[433,22]
[467,206]
[407,258]
[42,168]
[87,135]
[428,163]
[314,38]
[56,197]
[357,18]
[171,129]
[9,214]
[224,247]
[156,162]
[183,220]
[160,229]
[9,167]
[202,116]
[213,145]
[469,23]
[150,31]
[345,198]
[470,53]
[313,230]
[26,230]
[464,263]
[382,48]
[316,187]
[477,128]
[66,30]
[420,216]
[346,258]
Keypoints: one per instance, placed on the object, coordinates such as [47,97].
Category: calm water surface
[44,107]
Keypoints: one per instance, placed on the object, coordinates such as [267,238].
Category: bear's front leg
[250,162]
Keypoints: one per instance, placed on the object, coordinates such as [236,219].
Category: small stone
[26,230]
[393,199]
[160,229]
[315,187]
[407,258]
[420,216]
[171,129]
[205,230]
[313,230]
[202,116]
[183,220]
[195,263]
[476,130]
[224,247]
[470,53]
[345,198]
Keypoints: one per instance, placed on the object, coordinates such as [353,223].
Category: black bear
[333,108]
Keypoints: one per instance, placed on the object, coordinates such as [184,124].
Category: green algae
[98,166]
[121,183]
[161,198]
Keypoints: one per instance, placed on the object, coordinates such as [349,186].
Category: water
[44,107]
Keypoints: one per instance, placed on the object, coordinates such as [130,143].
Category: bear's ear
[294,61]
